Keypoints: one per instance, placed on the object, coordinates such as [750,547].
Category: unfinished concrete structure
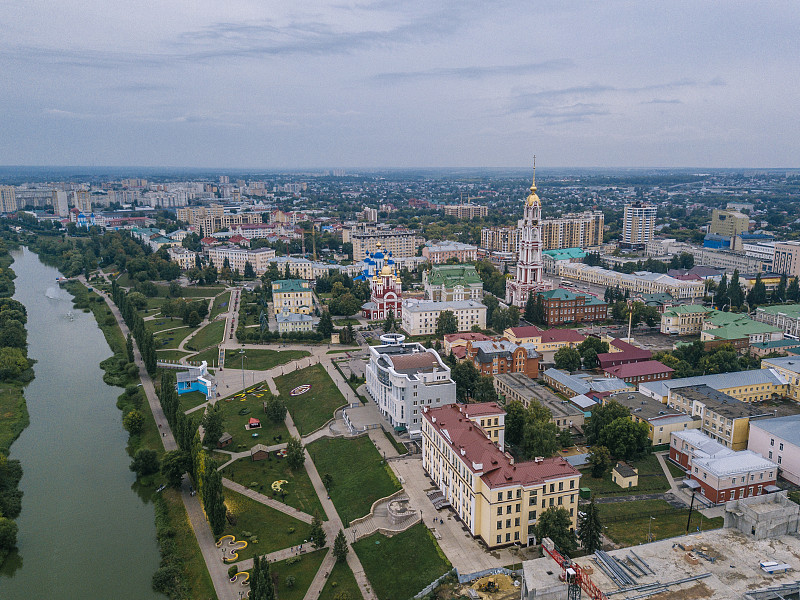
[763,517]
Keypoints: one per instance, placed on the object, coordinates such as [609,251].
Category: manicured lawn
[651,480]
[261,360]
[631,519]
[155,302]
[209,335]
[211,356]
[234,422]
[190,400]
[13,415]
[400,447]
[386,562]
[198,292]
[303,572]
[675,470]
[311,410]
[354,489]
[171,339]
[174,355]
[220,304]
[341,579]
[160,324]
[271,527]
[300,492]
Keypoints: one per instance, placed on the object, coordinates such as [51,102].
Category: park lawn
[341,579]
[210,355]
[630,523]
[162,324]
[261,360]
[194,567]
[196,292]
[311,410]
[271,527]
[345,322]
[299,490]
[13,415]
[173,355]
[385,561]
[220,304]
[303,571]
[354,489]
[190,400]
[155,302]
[209,335]
[399,446]
[234,422]
[651,480]
[171,338]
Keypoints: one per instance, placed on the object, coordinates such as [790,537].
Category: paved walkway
[266,500]
[684,496]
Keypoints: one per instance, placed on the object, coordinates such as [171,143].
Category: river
[84,533]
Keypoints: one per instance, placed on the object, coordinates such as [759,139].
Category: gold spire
[533,198]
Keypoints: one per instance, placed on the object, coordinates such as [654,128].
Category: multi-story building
[519,387]
[728,223]
[553,259]
[563,306]
[728,260]
[493,357]
[500,239]
[747,386]
[238,258]
[441,252]
[82,200]
[785,317]
[787,258]
[736,329]
[8,199]
[787,367]
[291,295]
[723,417]
[779,440]
[61,203]
[395,242]
[636,283]
[622,353]
[661,420]
[686,319]
[640,372]
[404,378]
[739,475]
[184,258]
[293,322]
[497,500]
[577,385]
[466,211]
[419,317]
[194,215]
[574,230]
[544,340]
[638,223]
[446,283]
[685,446]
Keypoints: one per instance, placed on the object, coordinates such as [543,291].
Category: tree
[539,438]
[555,524]
[295,454]
[530,305]
[327,481]
[779,295]
[721,296]
[137,300]
[173,465]
[565,438]
[214,500]
[13,363]
[214,425]
[389,324]
[589,528]
[567,359]
[601,417]
[625,439]
[325,325]
[590,359]
[515,422]
[129,348]
[317,533]
[133,422]
[599,461]
[793,291]
[193,319]
[145,462]
[249,272]
[175,289]
[446,323]
[758,294]
[735,294]
[340,548]
[261,585]
[275,409]
[8,535]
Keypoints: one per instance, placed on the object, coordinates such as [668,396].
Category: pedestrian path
[267,501]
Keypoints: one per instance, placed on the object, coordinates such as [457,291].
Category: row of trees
[693,359]
[135,322]
[729,293]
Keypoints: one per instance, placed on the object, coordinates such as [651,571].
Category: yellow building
[573,231]
[748,386]
[8,199]
[291,295]
[497,499]
[728,222]
[624,475]
[789,368]
[684,319]
[548,340]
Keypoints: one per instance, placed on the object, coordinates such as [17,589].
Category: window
[508,537]
[552,501]
[779,459]
[780,446]
[508,509]
[499,510]
[531,515]
[508,495]
[500,496]
[516,535]
[552,487]
[499,539]
[516,522]
[518,508]
[499,524]
[560,486]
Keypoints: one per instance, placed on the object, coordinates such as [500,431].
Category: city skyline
[372,85]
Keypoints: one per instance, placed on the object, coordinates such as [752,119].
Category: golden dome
[533,197]
[386,271]
[378,245]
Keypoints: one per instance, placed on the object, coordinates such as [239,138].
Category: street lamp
[241,353]
[649,536]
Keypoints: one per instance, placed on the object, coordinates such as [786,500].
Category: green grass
[13,415]
[234,422]
[651,480]
[675,470]
[174,355]
[311,410]
[171,339]
[386,562]
[354,489]
[632,518]
[303,572]
[299,490]
[155,302]
[341,579]
[261,360]
[211,356]
[209,335]
[345,322]
[190,400]
[271,527]
[220,304]
[194,292]
[401,449]
[163,323]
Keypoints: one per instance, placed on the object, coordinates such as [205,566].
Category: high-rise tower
[529,275]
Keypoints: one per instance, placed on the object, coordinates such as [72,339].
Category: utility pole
[691,505]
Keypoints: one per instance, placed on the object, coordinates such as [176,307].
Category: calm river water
[84,533]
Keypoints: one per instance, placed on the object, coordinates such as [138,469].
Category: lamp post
[649,522]
[241,353]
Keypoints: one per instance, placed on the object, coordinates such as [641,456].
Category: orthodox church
[384,285]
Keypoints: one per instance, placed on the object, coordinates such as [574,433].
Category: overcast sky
[262,84]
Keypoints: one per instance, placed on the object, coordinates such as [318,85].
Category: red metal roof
[528,331]
[481,409]
[561,335]
[647,367]
[473,336]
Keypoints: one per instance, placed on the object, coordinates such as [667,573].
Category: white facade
[237,257]
[421,316]
[185,259]
[404,378]
[641,282]
[638,223]
[779,441]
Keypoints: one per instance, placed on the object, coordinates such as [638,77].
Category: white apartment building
[641,282]
[404,378]
[185,259]
[8,199]
[237,257]
[400,242]
[638,224]
[419,317]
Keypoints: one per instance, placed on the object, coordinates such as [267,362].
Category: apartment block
[787,258]
[439,253]
[500,239]
[574,230]
[636,283]
[728,223]
[238,257]
[8,199]
[638,224]
[400,242]
[466,211]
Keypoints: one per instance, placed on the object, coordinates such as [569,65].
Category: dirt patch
[696,592]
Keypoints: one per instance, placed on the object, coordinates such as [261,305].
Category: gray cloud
[477,72]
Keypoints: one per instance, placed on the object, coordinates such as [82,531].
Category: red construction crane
[575,577]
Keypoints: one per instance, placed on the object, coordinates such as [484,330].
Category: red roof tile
[528,331]
[647,367]
[467,336]
[561,335]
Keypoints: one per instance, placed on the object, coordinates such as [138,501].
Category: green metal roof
[789,309]
[687,309]
[565,253]
[722,319]
[452,275]
[741,329]
[562,294]
[290,285]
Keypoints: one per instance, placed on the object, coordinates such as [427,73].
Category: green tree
[530,305]
[389,324]
[327,481]
[601,417]
[275,409]
[599,461]
[735,293]
[757,295]
[133,422]
[592,343]
[515,422]
[13,363]
[129,348]
[137,300]
[249,272]
[446,323]
[317,533]
[567,359]
[779,295]
[565,438]
[589,528]
[261,585]
[145,462]
[340,548]
[590,359]
[8,535]
[325,325]
[721,295]
[625,439]
[555,524]
[214,500]
[295,454]
[193,319]
[173,465]
[539,439]
[793,291]
[214,425]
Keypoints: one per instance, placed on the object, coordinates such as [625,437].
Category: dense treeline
[134,321]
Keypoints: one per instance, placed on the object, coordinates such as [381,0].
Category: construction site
[755,557]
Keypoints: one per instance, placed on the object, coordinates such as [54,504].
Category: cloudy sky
[378,83]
